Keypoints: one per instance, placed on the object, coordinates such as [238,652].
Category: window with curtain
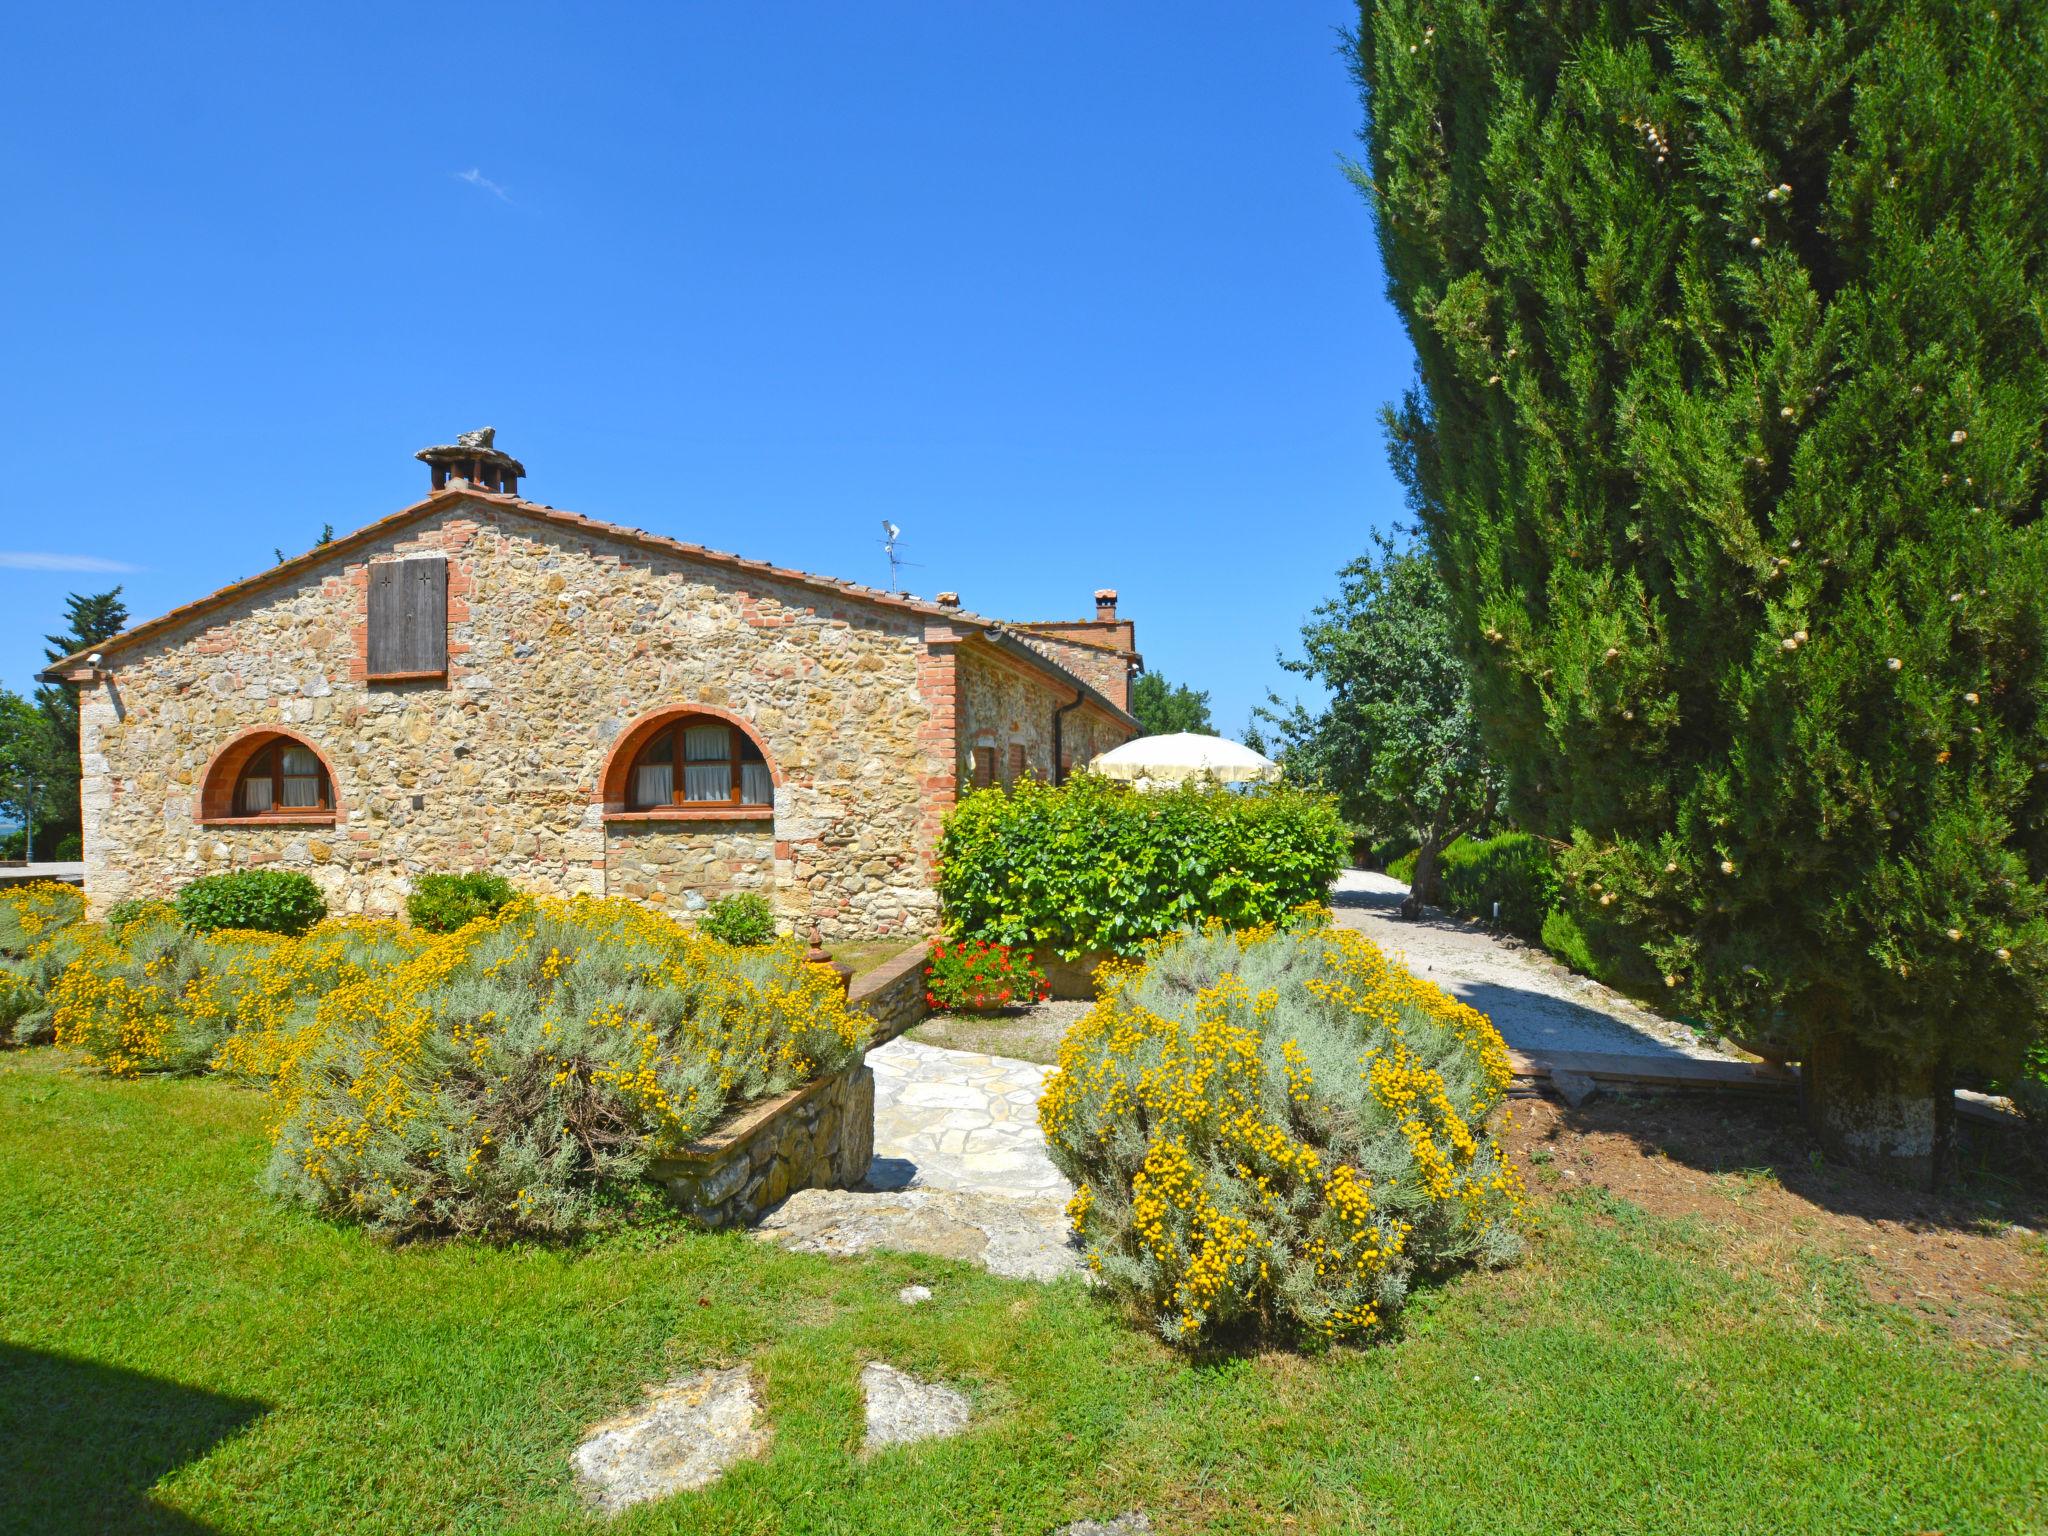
[280,777]
[700,762]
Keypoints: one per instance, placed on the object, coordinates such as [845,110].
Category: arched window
[282,777]
[697,760]
[265,775]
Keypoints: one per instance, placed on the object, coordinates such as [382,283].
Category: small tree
[1162,708]
[1397,743]
[1729,319]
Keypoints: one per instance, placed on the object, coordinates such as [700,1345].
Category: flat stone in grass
[682,1437]
[1136,1523]
[1022,1239]
[902,1409]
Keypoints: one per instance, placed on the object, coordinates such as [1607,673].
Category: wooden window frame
[671,736]
[267,762]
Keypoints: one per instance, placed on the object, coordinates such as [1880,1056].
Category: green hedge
[1095,865]
[1513,868]
[1520,872]
[260,900]
[444,903]
[744,919]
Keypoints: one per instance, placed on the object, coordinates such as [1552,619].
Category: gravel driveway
[1538,1006]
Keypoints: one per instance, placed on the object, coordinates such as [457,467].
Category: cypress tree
[1732,329]
[92,618]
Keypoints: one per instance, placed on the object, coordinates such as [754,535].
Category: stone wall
[557,640]
[1103,668]
[1002,703]
[892,994]
[819,1136]
[681,871]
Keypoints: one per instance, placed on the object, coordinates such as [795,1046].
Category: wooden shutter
[409,617]
[1016,764]
[984,767]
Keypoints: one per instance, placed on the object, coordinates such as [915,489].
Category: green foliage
[1095,865]
[150,999]
[1398,742]
[27,982]
[518,1075]
[1514,869]
[1563,937]
[1403,868]
[89,619]
[1728,321]
[443,903]
[30,912]
[126,914]
[980,977]
[743,918]
[35,770]
[1163,708]
[40,926]
[1276,1131]
[259,900]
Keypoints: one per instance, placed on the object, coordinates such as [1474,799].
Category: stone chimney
[474,457]
[948,599]
[1105,605]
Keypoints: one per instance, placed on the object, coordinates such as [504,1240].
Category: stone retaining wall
[892,994]
[819,1136]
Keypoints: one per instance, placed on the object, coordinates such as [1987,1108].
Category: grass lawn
[179,1354]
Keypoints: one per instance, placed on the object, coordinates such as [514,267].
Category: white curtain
[654,784]
[757,785]
[707,743]
[301,779]
[711,781]
[256,796]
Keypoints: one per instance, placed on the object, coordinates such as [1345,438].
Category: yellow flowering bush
[1272,1132]
[516,1076]
[32,912]
[151,995]
[40,923]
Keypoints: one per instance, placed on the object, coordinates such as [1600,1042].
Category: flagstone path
[959,1120]
[960,1170]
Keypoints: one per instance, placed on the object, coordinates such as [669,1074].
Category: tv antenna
[890,534]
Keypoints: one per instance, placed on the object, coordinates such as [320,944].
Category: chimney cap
[1105,594]
[1105,604]
[948,599]
[475,457]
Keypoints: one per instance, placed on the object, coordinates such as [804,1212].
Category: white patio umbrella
[1168,760]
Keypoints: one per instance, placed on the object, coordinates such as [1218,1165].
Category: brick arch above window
[629,795]
[226,789]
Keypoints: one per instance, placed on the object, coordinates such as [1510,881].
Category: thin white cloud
[32,560]
[477,178]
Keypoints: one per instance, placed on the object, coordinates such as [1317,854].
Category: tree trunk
[1894,1118]
[1422,888]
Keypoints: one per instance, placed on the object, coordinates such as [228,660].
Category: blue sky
[1075,293]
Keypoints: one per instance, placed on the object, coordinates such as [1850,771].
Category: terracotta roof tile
[370,533]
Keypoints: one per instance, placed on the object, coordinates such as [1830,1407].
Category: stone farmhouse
[479,681]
